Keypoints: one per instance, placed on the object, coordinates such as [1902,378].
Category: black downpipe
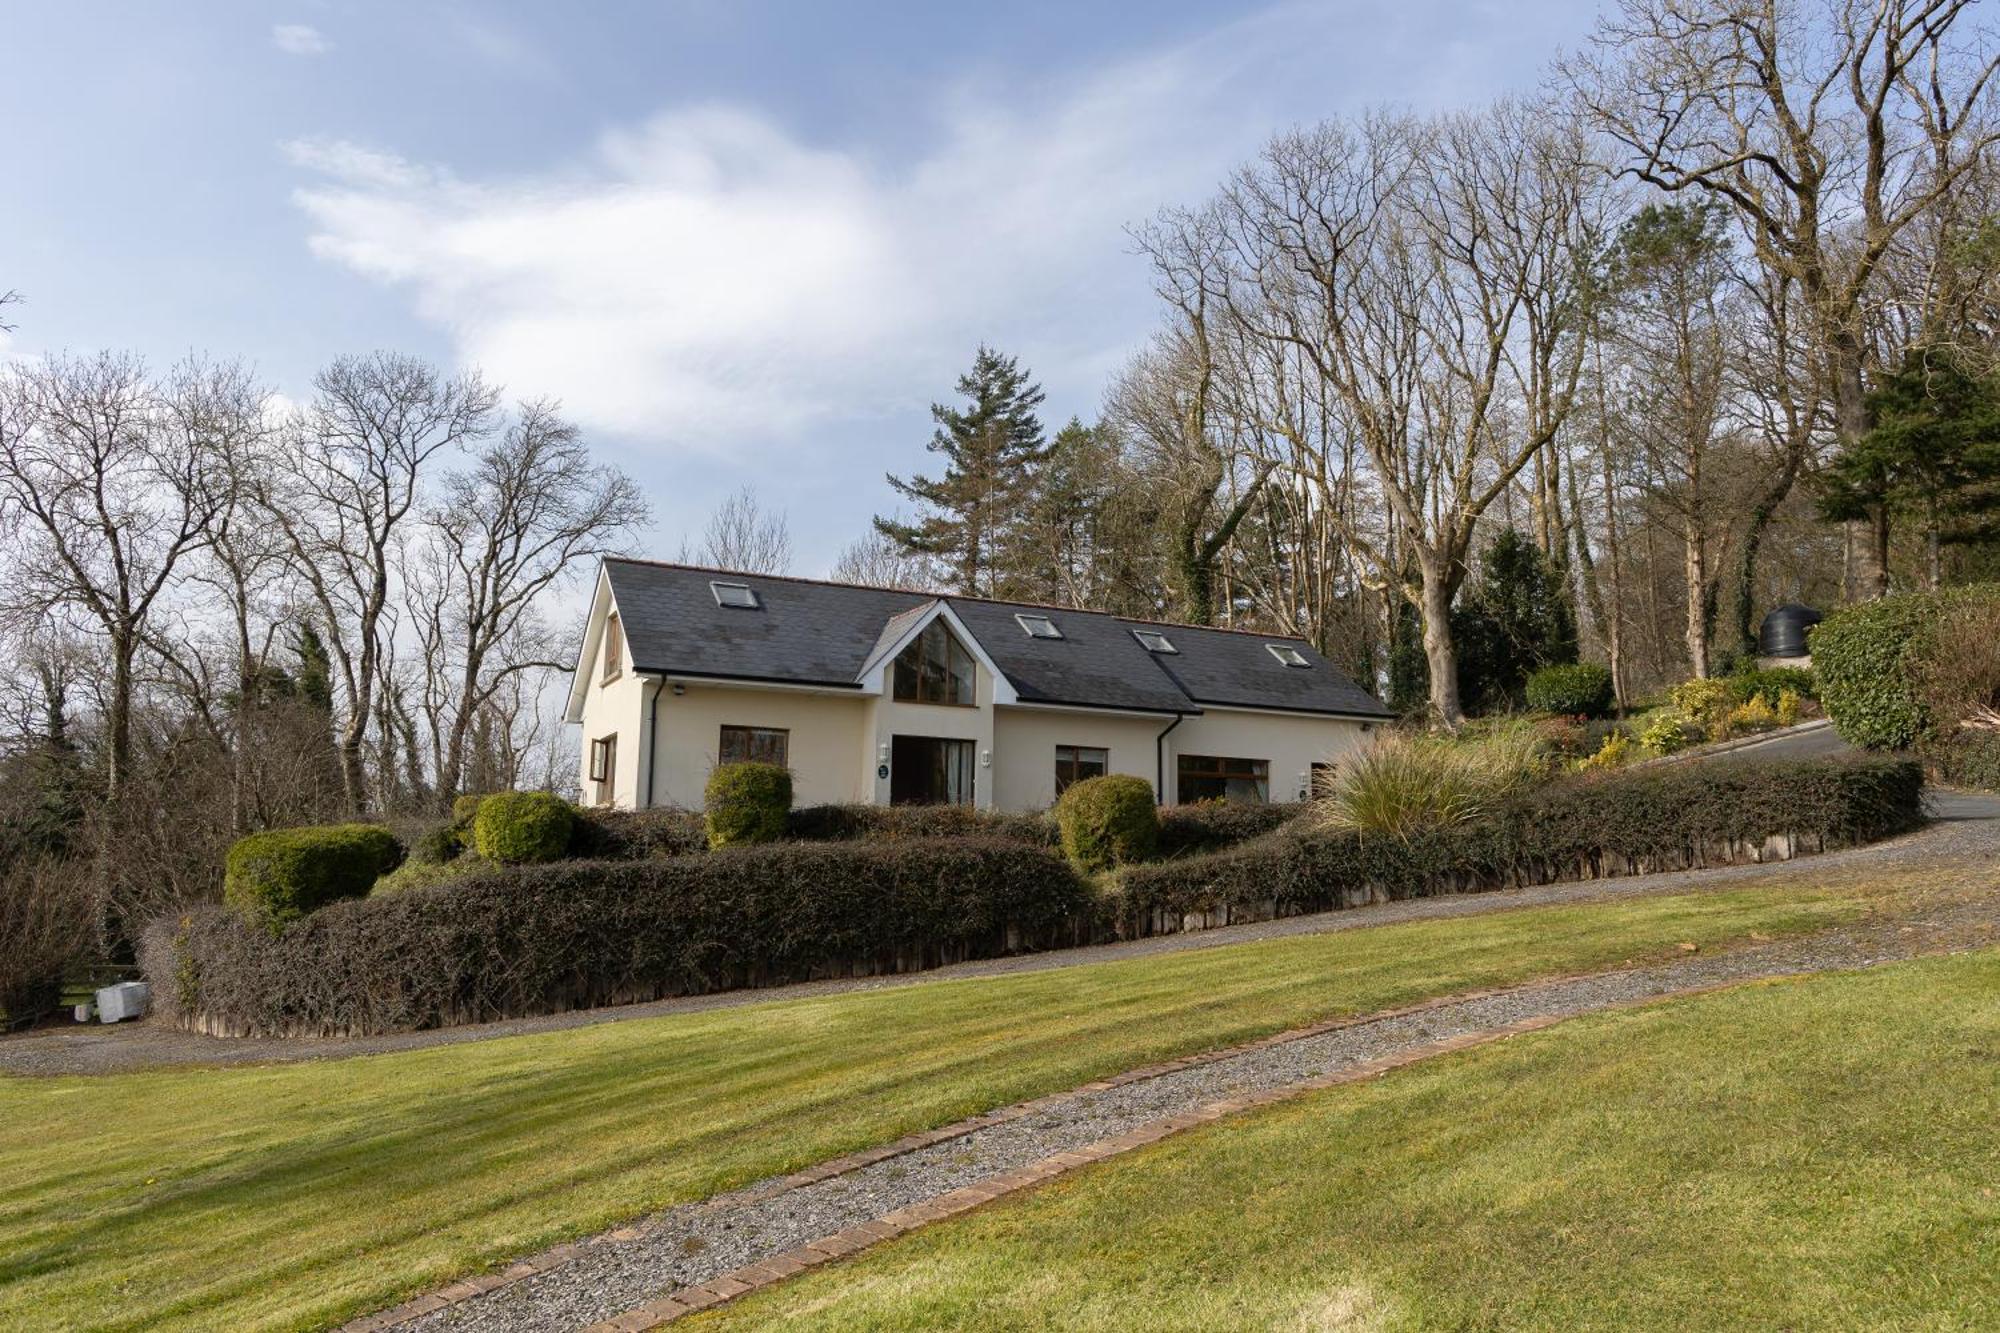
[1160,760]
[652,740]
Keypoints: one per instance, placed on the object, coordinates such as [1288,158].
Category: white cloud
[712,280]
[299,39]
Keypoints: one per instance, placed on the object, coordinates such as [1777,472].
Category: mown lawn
[294,1196]
[1815,1154]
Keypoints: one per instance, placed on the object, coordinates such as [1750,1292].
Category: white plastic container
[125,1000]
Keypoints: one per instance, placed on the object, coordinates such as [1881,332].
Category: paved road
[1820,743]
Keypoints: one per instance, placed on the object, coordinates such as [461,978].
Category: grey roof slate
[812,633]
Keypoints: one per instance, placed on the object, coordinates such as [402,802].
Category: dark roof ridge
[955,597]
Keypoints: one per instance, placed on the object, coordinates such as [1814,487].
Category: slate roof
[813,633]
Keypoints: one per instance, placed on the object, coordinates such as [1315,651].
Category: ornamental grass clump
[1108,821]
[522,827]
[1407,784]
[747,803]
[280,876]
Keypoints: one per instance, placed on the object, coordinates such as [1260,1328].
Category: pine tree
[969,519]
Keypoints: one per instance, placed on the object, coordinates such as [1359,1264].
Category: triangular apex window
[935,669]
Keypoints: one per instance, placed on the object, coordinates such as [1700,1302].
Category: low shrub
[747,803]
[1641,819]
[1747,718]
[1615,753]
[522,827]
[1575,689]
[1207,826]
[414,874]
[1701,701]
[840,823]
[279,876]
[465,809]
[513,941]
[1969,758]
[1668,730]
[604,834]
[435,845]
[1769,683]
[1108,821]
[1407,783]
[1790,706]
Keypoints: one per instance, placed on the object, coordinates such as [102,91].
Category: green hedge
[1209,826]
[522,827]
[1770,684]
[839,823]
[603,834]
[1108,821]
[747,803]
[540,939]
[1866,661]
[1573,689]
[277,877]
[1647,819]
[1965,759]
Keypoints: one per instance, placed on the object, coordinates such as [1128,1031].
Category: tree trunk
[118,720]
[1440,652]
[1761,515]
[1697,600]
[1869,536]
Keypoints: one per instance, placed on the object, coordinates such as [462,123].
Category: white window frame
[1155,642]
[1287,655]
[716,586]
[1022,618]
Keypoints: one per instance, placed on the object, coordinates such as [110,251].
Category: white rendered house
[874,695]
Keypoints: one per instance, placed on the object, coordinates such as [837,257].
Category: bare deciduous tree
[744,536]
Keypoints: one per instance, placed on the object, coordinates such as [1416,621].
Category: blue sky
[745,243]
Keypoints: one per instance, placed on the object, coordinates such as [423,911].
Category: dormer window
[1038,627]
[1154,641]
[737,596]
[1287,654]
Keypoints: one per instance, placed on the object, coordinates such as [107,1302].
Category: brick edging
[558,1256]
[854,1239]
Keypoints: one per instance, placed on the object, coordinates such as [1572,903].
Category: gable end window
[935,669]
[614,647]
[755,745]
[1074,763]
[1287,654]
[737,596]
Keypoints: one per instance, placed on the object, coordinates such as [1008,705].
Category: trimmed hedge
[840,823]
[1108,821]
[541,939]
[747,803]
[633,835]
[1209,826]
[1864,659]
[276,877]
[1621,823]
[1573,689]
[522,827]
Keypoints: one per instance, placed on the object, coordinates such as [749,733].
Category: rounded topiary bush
[465,809]
[521,827]
[279,876]
[747,803]
[1574,689]
[436,845]
[1108,821]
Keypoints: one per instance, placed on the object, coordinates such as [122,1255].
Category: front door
[930,770]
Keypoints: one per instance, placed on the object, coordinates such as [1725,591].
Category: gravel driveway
[1967,828]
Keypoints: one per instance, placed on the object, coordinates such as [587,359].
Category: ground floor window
[1211,778]
[755,745]
[1321,785]
[604,767]
[1074,763]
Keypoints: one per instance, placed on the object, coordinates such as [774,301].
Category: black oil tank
[1783,633]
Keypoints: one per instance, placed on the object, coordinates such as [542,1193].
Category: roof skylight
[1154,641]
[736,595]
[1287,654]
[1038,627]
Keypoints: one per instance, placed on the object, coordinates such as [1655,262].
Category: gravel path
[696,1242]
[1967,828]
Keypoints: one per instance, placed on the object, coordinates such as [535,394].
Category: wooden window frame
[907,672]
[1072,758]
[749,736]
[1224,768]
[613,654]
